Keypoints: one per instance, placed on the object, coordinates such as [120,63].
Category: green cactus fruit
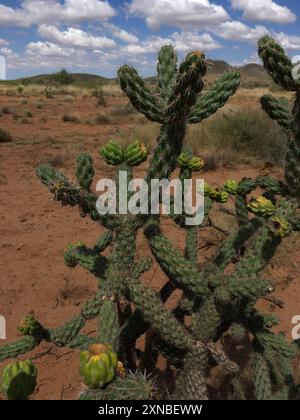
[207,190]
[70,256]
[30,326]
[19,380]
[222,197]
[98,366]
[261,207]
[112,153]
[196,164]
[84,170]
[183,161]
[136,153]
[279,226]
[231,187]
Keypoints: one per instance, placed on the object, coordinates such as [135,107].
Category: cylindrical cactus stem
[86,258]
[71,195]
[139,94]
[121,257]
[233,244]
[82,342]
[261,378]
[135,325]
[272,185]
[292,159]
[206,321]
[109,329]
[245,187]
[258,253]
[166,71]
[104,241]
[191,245]
[278,65]
[278,353]
[17,348]
[182,272]
[277,110]
[190,384]
[215,97]
[85,171]
[68,332]
[188,85]
[160,319]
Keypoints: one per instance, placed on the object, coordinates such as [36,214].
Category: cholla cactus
[280,68]
[216,301]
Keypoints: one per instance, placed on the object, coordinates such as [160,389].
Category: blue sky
[41,36]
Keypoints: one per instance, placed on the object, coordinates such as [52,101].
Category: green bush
[62,77]
[102,119]
[5,137]
[244,134]
[6,110]
[122,110]
[70,118]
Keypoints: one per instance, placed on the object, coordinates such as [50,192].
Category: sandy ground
[34,231]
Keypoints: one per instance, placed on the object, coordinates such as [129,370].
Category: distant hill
[79,79]
[217,67]
[253,75]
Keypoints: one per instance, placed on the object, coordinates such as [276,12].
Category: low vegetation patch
[5,137]
[70,118]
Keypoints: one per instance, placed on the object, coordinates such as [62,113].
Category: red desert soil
[34,230]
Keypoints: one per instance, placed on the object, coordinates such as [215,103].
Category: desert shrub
[5,137]
[102,119]
[6,110]
[63,77]
[122,110]
[16,116]
[98,94]
[48,93]
[20,90]
[68,99]
[244,133]
[70,118]
[56,161]
[101,101]
[28,114]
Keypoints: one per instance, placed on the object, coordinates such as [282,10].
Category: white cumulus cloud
[238,31]
[50,11]
[179,13]
[74,37]
[289,42]
[120,33]
[181,41]
[4,42]
[47,49]
[264,10]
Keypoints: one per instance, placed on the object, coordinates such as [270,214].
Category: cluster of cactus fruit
[220,303]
